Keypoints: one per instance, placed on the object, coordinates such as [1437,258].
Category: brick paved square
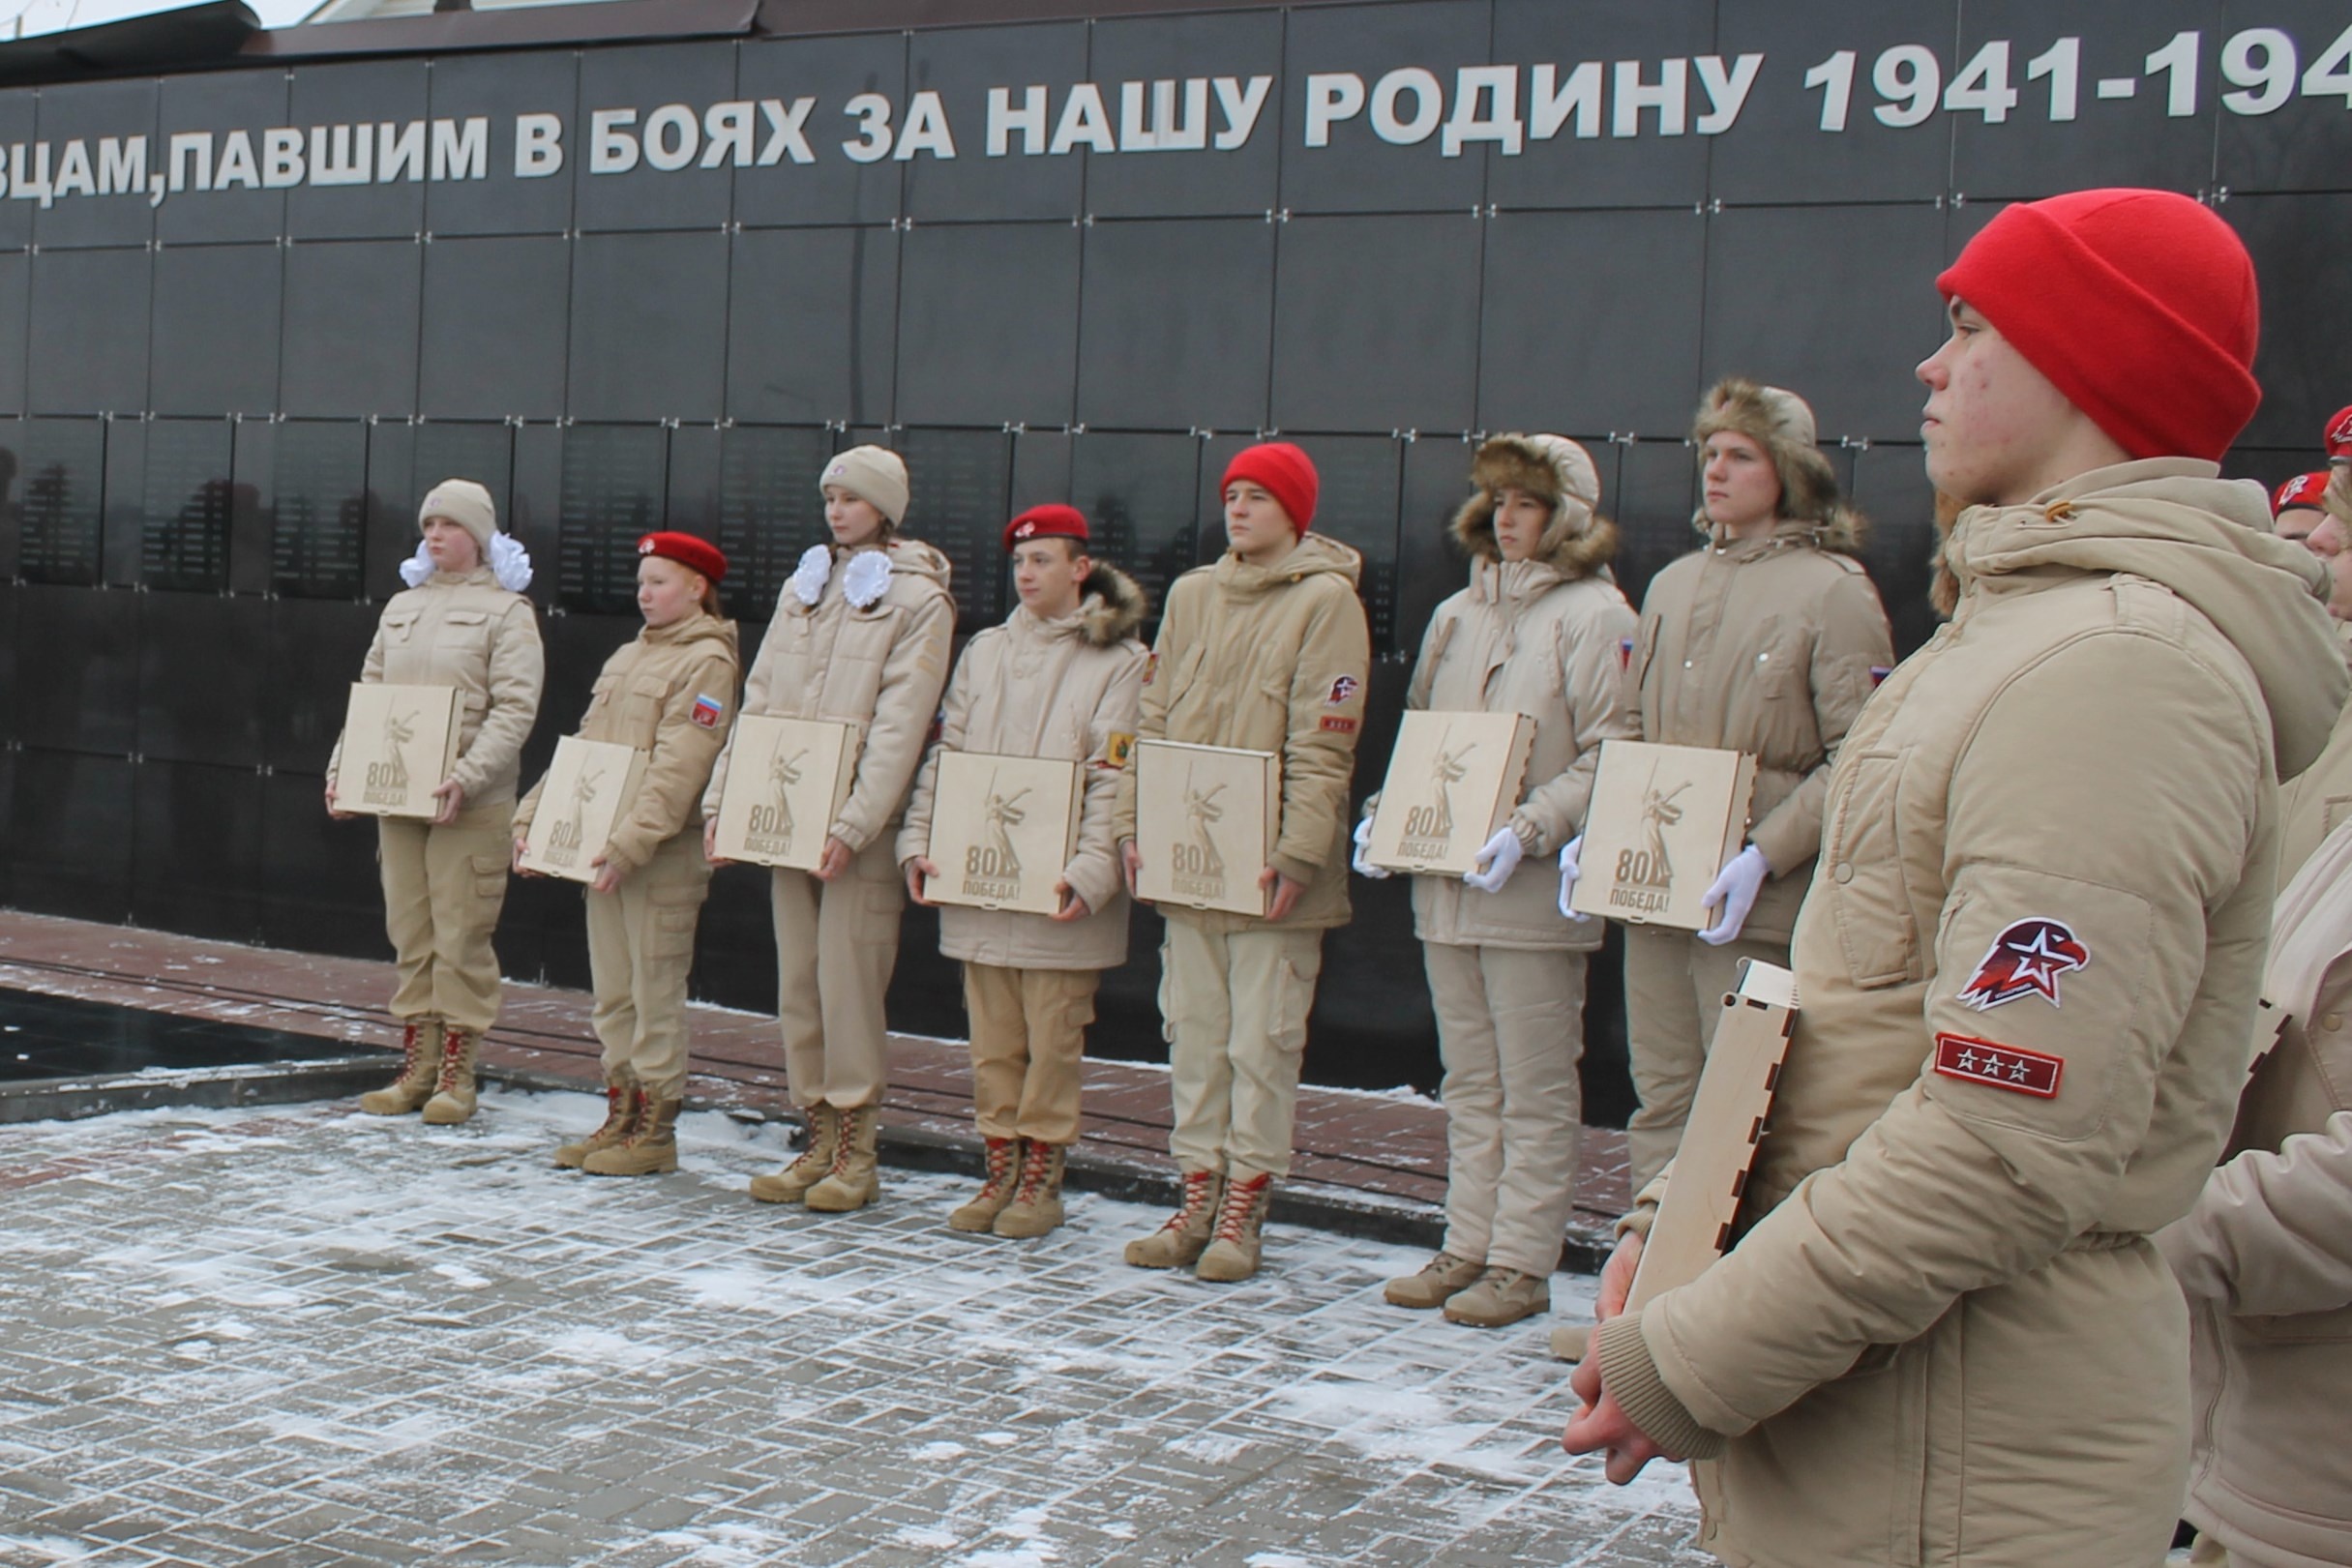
[301,1335]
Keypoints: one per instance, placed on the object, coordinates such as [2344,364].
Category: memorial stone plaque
[185,516]
[463,449]
[961,485]
[1142,495]
[615,480]
[62,483]
[1357,506]
[770,510]
[319,509]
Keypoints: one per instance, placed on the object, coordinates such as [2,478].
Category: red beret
[2303,489]
[695,555]
[1050,521]
[1284,472]
[2339,436]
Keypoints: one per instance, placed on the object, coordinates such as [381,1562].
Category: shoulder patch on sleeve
[708,710]
[1118,750]
[1997,1066]
[2025,959]
[1338,725]
[1343,689]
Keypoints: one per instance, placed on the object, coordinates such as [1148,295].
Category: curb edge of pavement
[1401,1222]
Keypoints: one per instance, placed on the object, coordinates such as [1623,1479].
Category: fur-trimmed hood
[1113,607]
[1782,424]
[1580,543]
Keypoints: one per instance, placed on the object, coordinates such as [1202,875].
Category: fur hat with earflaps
[1782,424]
[1579,542]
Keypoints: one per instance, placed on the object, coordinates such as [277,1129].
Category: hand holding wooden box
[786,781]
[1002,830]
[1694,1224]
[1662,822]
[589,786]
[1206,819]
[400,742]
[1452,780]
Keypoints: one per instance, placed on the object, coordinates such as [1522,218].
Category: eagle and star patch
[2028,959]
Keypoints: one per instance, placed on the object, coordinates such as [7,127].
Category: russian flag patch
[709,711]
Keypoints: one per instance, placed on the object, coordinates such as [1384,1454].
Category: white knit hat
[873,474]
[468,505]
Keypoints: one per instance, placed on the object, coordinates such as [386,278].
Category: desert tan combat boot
[651,1147]
[1036,1205]
[453,1089]
[1181,1239]
[1503,1296]
[1442,1277]
[620,1115]
[791,1184]
[1232,1252]
[420,1065]
[1003,1174]
[855,1179]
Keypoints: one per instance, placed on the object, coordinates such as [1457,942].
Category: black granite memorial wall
[650,286]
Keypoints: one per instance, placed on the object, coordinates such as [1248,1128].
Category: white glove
[1734,888]
[1568,873]
[1363,848]
[1499,857]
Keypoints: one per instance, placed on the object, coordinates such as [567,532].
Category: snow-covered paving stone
[298,1335]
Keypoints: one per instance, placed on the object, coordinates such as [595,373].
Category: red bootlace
[1196,1198]
[1037,1165]
[1240,1198]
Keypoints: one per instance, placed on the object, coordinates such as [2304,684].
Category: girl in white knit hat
[860,637]
[463,623]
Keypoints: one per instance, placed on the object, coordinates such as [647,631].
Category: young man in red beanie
[2029,960]
[1059,679]
[1268,650]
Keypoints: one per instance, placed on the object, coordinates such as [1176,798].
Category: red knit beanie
[1284,472]
[693,554]
[1050,521]
[2139,306]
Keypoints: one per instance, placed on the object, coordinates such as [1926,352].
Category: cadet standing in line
[2319,798]
[1268,650]
[462,622]
[2027,968]
[671,693]
[2297,505]
[2265,1259]
[1059,679]
[1764,641]
[860,637]
[1542,631]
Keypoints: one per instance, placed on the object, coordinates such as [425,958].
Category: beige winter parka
[671,693]
[878,665]
[1270,659]
[2026,972]
[1766,646]
[1066,688]
[1550,638]
[2265,1257]
[462,630]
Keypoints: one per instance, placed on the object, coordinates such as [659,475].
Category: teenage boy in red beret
[671,693]
[1267,649]
[1059,679]
[2297,505]
[2029,960]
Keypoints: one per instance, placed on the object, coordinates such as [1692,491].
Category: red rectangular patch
[1338,725]
[1999,1066]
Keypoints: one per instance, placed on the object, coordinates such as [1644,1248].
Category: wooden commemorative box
[1002,830]
[589,785]
[784,785]
[1662,822]
[1452,780]
[1694,1224]
[399,742]
[1205,820]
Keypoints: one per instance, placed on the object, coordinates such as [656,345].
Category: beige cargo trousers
[641,950]
[443,889]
